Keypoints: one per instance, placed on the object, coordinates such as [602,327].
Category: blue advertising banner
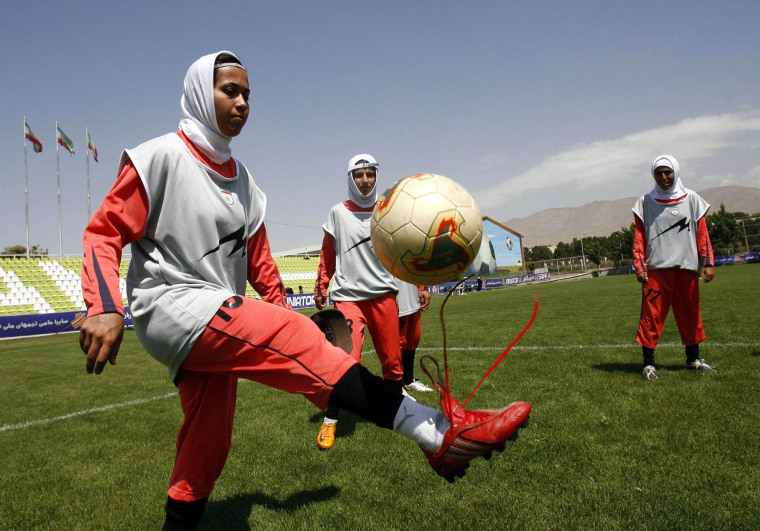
[301,301]
[490,283]
[732,259]
[56,323]
[46,323]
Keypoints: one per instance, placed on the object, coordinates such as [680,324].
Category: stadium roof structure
[311,250]
[513,231]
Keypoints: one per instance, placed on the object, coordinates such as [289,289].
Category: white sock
[424,425]
[330,421]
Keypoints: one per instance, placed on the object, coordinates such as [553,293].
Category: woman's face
[231,94]
[365,180]
[664,177]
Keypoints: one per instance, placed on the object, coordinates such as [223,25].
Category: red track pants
[666,287]
[380,316]
[253,340]
[410,330]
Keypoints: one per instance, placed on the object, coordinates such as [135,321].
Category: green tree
[563,250]
[35,250]
[594,252]
[527,255]
[725,233]
[541,252]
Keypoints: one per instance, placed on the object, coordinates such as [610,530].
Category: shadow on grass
[634,368]
[232,514]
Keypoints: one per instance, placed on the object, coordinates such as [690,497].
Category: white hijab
[364,201]
[677,190]
[198,110]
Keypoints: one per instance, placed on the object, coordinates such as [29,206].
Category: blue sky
[530,106]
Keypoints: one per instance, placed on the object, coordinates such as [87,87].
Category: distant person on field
[670,246]
[363,290]
[412,301]
[194,218]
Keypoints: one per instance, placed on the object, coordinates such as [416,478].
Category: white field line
[141,401]
[38,422]
[581,347]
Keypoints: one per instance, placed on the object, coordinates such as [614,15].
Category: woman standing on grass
[194,217]
[670,246]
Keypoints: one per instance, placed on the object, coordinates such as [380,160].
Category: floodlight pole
[58,176]
[26,193]
[583,254]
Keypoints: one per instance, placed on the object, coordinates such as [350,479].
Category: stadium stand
[50,285]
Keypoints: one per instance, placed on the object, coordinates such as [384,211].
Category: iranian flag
[92,147]
[31,138]
[64,140]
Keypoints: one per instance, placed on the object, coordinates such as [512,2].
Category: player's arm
[424,296]
[639,250]
[705,249]
[263,274]
[325,271]
[118,221]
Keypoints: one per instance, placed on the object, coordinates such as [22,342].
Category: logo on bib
[674,211]
[226,194]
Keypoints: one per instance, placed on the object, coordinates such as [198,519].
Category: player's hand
[642,277]
[424,299]
[320,302]
[708,273]
[100,338]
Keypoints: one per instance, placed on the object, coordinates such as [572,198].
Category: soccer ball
[485,261]
[426,229]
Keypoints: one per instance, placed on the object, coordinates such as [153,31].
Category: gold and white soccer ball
[426,229]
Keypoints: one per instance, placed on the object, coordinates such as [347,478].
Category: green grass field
[604,450]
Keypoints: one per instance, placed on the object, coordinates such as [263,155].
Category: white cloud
[618,164]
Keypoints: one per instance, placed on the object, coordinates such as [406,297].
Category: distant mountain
[602,218]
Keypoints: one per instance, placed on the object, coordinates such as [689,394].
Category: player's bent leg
[203,443]
[290,353]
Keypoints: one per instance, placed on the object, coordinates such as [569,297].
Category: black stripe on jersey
[682,224]
[357,244]
[105,296]
[238,237]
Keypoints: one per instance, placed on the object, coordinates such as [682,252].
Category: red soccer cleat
[474,434]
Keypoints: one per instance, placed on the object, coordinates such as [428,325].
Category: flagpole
[26,193]
[58,173]
[87,156]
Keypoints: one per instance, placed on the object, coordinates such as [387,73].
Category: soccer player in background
[363,290]
[671,244]
[412,301]
[194,218]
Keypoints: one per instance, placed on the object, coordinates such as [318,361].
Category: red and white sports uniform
[362,288]
[670,243]
[186,294]
[409,314]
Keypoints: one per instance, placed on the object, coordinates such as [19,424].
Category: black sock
[183,516]
[648,356]
[407,364]
[692,353]
[369,396]
[332,411]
